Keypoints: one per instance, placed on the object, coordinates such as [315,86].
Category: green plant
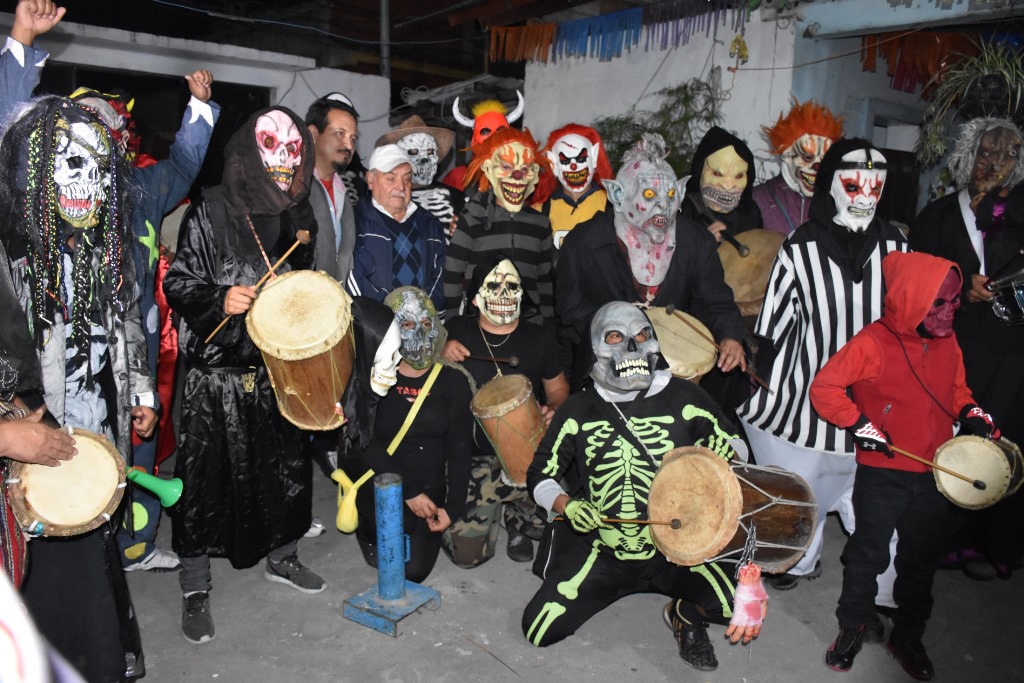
[686,112]
[990,83]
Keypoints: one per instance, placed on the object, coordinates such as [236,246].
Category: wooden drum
[997,463]
[302,322]
[748,276]
[724,508]
[509,415]
[689,356]
[75,497]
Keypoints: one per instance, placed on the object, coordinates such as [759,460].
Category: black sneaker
[787,582]
[291,572]
[695,647]
[196,620]
[520,547]
[874,631]
[911,655]
[839,655]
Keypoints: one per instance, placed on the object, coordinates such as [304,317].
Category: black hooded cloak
[746,215]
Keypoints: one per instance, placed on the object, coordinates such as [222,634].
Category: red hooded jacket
[887,363]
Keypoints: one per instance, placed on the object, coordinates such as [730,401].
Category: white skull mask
[419,327]
[501,294]
[81,172]
[624,346]
[280,145]
[857,188]
[574,159]
[422,151]
[384,373]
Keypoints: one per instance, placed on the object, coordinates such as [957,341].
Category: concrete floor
[269,632]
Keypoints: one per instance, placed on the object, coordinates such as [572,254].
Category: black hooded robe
[747,214]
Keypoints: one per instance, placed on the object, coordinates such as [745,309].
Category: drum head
[688,355]
[75,497]
[697,487]
[500,395]
[748,277]
[299,315]
[976,458]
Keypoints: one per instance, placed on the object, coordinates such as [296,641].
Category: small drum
[688,355]
[509,415]
[724,508]
[302,323]
[748,276]
[75,497]
[997,463]
[1008,303]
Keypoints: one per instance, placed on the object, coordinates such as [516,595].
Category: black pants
[424,544]
[581,578]
[909,503]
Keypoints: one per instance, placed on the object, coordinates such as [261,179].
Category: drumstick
[671,310]
[976,483]
[513,361]
[743,249]
[256,287]
[675,523]
[702,211]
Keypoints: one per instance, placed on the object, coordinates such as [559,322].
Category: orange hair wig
[549,183]
[482,152]
[809,118]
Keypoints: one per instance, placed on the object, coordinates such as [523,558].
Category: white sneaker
[157,561]
[317,528]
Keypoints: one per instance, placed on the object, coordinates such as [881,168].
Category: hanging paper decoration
[670,24]
[604,37]
[522,43]
[912,59]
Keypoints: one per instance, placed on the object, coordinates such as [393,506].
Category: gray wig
[961,161]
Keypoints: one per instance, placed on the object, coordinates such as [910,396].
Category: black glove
[868,437]
[979,422]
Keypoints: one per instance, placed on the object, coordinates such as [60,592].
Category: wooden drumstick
[256,287]
[708,219]
[671,310]
[976,483]
[675,523]
[743,249]
[513,361]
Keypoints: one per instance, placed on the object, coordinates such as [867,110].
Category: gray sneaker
[159,560]
[196,620]
[291,572]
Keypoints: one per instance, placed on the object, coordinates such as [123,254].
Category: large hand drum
[722,507]
[997,463]
[509,414]
[748,276]
[689,356]
[302,323]
[75,497]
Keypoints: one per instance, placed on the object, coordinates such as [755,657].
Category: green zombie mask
[419,326]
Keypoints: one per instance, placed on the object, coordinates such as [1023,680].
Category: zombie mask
[995,160]
[800,162]
[723,180]
[624,346]
[419,327]
[574,158]
[81,171]
[938,322]
[422,151]
[280,144]
[383,373]
[512,171]
[501,294]
[857,188]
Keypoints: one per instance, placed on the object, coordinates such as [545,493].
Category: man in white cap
[398,244]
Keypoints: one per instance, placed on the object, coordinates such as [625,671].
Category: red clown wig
[549,182]
[482,151]
[809,118]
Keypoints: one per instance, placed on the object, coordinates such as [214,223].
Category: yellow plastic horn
[167,490]
[348,516]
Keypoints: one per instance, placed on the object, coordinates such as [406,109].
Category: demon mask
[419,326]
[857,188]
[723,180]
[938,322]
[81,171]
[625,348]
[501,294]
[280,145]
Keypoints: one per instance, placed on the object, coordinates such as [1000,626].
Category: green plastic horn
[167,490]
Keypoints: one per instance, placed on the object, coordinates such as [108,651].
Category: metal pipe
[391,543]
[385,39]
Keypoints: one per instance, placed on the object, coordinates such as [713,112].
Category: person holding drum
[492,344]
[906,375]
[422,430]
[607,442]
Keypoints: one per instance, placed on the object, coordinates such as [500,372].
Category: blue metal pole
[391,555]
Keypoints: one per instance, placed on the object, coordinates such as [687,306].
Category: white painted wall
[295,82]
[582,90]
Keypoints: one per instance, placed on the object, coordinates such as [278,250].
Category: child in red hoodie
[906,373]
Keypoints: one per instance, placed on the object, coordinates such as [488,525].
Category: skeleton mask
[574,158]
[280,145]
[513,173]
[800,162]
[419,327]
[723,180]
[81,171]
[501,294]
[857,188]
[383,373]
[938,322]
[422,151]
[995,160]
[625,347]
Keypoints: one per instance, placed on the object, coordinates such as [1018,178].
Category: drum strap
[393,446]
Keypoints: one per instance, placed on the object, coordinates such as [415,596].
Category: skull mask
[938,321]
[422,151]
[800,162]
[625,347]
[419,327]
[385,362]
[280,146]
[574,158]
[501,294]
[857,188]
[513,173]
[723,180]
[81,171]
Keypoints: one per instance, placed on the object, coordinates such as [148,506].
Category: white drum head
[299,315]
[976,458]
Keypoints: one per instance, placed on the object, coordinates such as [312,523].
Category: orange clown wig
[549,182]
[482,151]
[809,118]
